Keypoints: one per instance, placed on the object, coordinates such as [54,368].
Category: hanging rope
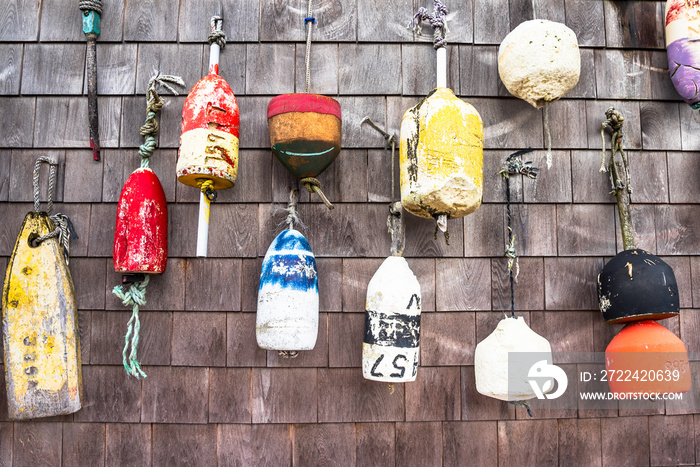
[90,5]
[216,34]
[394,221]
[134,296]
[292,216]
[621,189]
[154,103]
[437,20]
[63,227]
[310,21]
[514,165]
[312,185]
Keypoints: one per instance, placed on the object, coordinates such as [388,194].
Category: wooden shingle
[675,229]
[418,68]
[586,86]
[285,395]
[369,69]
[621,74]
[624,440]
[553,185]
[675,444]
[199,339]
[510,123]
[183,60]
[683,173]
[83,444]
[213,285]
[89,282]
[567,122]
[435,395]
[527,442]
[660,125]
[478,68]
[418,443]
[18,20]
[459,446]
[345,334]
[375,444]
[459,284]
[109,401]
[150,21]
[186,444]
[175,395]
[17,132]
[392,15]
[323,68]
[491,21]
[580,440]
[107,337]
[64,60]
[241,346]
[447,339]
[240,20]
[528,289]
[570,283]
[535,229]
[586,20]
[229,395]
[284,21]
[22,169]
[568,332]
[331,444]
[165,291]
[254,445]
[128,444]
[6,434]
[10,67]
[634,24]
[585,230]
[37,442]
[316,358]
[274,62]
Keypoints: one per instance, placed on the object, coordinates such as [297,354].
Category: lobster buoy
[305,134]
[208,153]
[683,48]
[40,319]
[494,377]
[390,347]
[539,61]
[141,231]
[441,157]
[636,285]
[287,315]
[645,357]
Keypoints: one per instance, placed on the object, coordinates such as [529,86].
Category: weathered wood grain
[393,15]
[535,229]
[521,11]
[419,443]
[435,395]
[61,122]
[683,173]
[37,443]
[6,434]
[241,20]
[273,61]
[107,337]
[316,358]
[478,68]
[82,181]
[459,446]
[552,185]
[649,176]
[80,213]
[323,68]
[285,395]
[89,282]
[184,60]
[84,333]
[213,285]
[459,22]
[567,120]
[229,395]
[250,281]
[681,268]
[634,24]
[170,120]
[110,396]
[128,444]
[241,347]
[174,395]
[494,183]
[661,127]
[345,181]
[12,215]
[459,284]
[661,85]
[10,67]
[418,69]
[345,334]
[22,168]
[379,176]
[491,21]
[447,339]
[253,115]
[586,86]
[232,229]
[369,69]
[624,441]
[233,66]
[570,283]
[184,444]
[17,132]
[254,445]
[580,440]
[568,332]
[18,20]
[527,442]
[199,339]
[421,240]
[42,60]
[5,158]
[345,396]
[60,23]
[284,21]
[510,123]
[375,444]
[690,120]
[116,69]
[673,440]
[528,290]
[677,229]
[586,19]
[150,21]
[356,275]
[584,230]
[83,444]
[589,184]
[691,399]
[690,330]
[330,444]
[165,292]
[622,74]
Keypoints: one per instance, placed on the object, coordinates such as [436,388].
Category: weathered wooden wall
[211,395]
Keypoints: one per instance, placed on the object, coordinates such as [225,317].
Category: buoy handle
[217,41]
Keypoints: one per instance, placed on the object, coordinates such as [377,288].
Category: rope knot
[154,104]
[206,186]
[312,185]
[437,20]
[90,5]
[216,34]
[134,296]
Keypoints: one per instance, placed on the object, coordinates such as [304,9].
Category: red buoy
[645,357]
[141,232]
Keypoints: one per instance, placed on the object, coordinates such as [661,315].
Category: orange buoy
[645,357]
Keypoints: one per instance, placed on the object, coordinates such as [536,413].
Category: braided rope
[90,5]
[216,34]
[437,20]
[292,215]
[307,60]
[134,296]
[154,104]
[52,183]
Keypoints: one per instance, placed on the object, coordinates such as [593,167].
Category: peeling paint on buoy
[493,377]
[390,349]
[539,61]
[683,47]
[441,157]
[287,315]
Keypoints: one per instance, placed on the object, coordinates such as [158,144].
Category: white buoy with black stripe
[392,323]
[287,316]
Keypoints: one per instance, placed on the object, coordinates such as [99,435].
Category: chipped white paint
[539,61]
[491,360]
[392,323]
[287,316]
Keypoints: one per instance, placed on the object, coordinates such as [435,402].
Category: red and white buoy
[208,154]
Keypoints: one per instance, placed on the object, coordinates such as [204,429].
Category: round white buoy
[287,316]
[539,61]
[493,377]
[392,323]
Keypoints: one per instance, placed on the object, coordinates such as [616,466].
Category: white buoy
[493,377]
[392,323]
[287,316]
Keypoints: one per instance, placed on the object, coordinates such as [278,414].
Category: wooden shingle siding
[212,396]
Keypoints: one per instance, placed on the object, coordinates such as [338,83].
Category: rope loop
[216,34]
[90,5]
[312,185]
[438,20]
[134,296]
[154,104]
[52,182]
[206,186]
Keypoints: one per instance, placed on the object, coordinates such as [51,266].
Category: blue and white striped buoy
[287,317]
